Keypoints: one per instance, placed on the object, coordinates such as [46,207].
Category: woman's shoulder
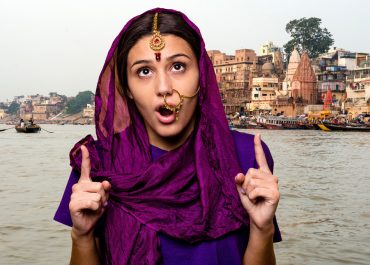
[244,147]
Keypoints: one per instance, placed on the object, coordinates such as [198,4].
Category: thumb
[85,165]
[106,186]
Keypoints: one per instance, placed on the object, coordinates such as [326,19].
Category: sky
[60,46]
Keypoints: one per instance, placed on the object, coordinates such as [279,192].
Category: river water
[324,211]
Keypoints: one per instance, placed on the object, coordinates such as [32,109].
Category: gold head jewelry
[177,108]
[157,42]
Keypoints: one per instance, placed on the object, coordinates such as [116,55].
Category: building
[358,89]
[268,48]
[299,87]
[2,114]
[44,111]
[25,109]
[304,81]
[232,74]
[89,111]
[263,94]
[293,64]
[331,71]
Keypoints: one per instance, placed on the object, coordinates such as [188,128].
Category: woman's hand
[88,199]
[259,191]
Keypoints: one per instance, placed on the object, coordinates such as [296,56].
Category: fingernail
[242,191]
[105,204]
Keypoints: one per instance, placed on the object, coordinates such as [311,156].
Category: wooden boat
[30,128]
[279,122]
[347,127]
[248,126]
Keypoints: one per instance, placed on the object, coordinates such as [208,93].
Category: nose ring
[178,106]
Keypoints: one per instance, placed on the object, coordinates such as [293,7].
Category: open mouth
[165,116]
[165,112]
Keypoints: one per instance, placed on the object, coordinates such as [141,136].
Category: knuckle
[276,195]
[275,178]
[88,204]
[75,187]
[71,206]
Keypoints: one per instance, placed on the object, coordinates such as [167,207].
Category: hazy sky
[60,46]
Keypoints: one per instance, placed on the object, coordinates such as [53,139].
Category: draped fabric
[189,193]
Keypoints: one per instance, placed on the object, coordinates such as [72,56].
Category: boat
[323,127]
[279,122]
[248,126]
[347,127]
[29,128]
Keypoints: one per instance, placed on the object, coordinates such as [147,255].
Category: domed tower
[304,81]
[268,69]
[294,61]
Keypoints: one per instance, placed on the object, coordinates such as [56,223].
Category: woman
[162,184]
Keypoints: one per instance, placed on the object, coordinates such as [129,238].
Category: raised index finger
[260,154]
[85,165]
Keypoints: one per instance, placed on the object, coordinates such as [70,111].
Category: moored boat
[347,127]
[279,122]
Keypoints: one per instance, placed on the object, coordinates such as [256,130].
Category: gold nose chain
[177,108]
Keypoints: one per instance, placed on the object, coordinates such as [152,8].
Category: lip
[165,119]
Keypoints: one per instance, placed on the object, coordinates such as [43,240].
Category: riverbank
[74,119]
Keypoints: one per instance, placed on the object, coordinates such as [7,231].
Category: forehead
[174,45]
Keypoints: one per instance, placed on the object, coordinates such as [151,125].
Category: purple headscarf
[189,193]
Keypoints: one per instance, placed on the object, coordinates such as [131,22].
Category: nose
[164,85]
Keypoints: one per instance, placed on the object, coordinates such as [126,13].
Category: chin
[169,131]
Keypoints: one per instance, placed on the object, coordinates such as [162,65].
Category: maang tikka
[157,42]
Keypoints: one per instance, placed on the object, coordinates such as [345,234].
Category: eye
[144,71]
[178,67]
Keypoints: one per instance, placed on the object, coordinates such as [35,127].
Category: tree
[307,34]
[77,104]
[13,108]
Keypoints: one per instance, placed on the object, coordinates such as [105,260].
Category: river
[324,211]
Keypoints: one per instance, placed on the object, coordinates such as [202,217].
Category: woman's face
[149,80]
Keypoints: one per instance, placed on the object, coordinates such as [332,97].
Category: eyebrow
[168,59]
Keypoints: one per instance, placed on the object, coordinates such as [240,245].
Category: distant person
[21,123]
[166,181]
[31,121]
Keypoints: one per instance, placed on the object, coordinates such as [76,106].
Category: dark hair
[168,23]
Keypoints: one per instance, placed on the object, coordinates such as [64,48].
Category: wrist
[81,238]
[265,231]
